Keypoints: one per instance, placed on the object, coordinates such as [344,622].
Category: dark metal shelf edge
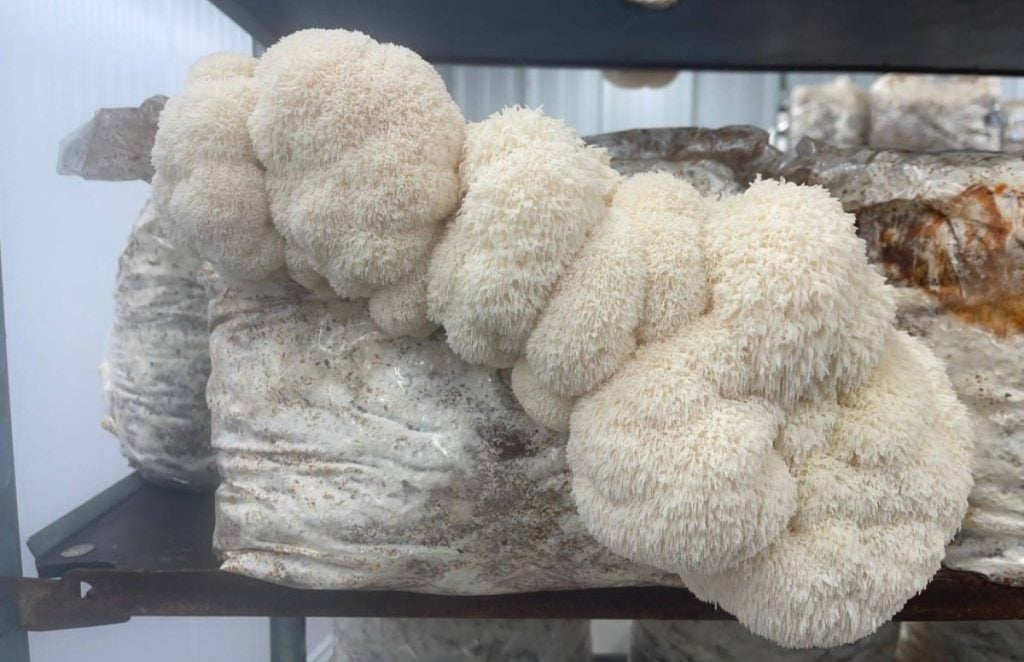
[869,35]
[95,596]
[148,553]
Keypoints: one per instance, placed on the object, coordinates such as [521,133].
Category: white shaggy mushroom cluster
[361,142]
[208,182]
[333,155]
[785,451]
[740,410]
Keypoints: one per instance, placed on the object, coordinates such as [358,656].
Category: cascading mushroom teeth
[668,472]
[361,143]
[772,450]
[209,186]
[669,217]
[791,283]
[883,481]
[533,192]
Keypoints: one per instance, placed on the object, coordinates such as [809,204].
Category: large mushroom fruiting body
[739,409]
[361,142]
[208,180]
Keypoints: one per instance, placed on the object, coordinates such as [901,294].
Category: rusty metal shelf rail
[139,550]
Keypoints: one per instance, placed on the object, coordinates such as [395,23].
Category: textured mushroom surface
[361,144]
[208,184]
[949,231]
[533,193]
[880,490]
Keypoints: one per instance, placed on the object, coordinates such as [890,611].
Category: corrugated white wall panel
[722,99]
[567,93]
[647,107]
[592,104]
[1013,88]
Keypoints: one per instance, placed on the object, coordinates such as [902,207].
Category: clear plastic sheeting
[725,641]
[114,145]
[932,114]
[836,113]
[154,377]
[982,641]
[350,460]
[948,230]
[451,640]
[715,161]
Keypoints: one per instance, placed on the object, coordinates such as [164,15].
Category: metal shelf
[139,550]
[838,35]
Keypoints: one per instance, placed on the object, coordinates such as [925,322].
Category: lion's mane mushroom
[208,184]
[882,481]
[361,144]
[740,410]
[533,192]
[779,452]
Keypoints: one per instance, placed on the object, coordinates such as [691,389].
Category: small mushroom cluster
[739,408]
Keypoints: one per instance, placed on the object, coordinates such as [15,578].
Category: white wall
[59,61]
[591,104]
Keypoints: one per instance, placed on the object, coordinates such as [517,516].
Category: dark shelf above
[837,35]
[139,550]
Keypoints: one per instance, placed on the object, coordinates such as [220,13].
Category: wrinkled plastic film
[835,113]
[1013,126]
[114,145]
[716,161]
[154,376]
[982,641]
[352,460]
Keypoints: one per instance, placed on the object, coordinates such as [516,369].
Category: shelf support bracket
[57,604]
[287,639]
[13,640]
